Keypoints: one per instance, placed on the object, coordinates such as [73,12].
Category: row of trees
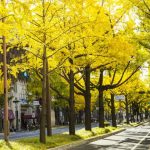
[89,44]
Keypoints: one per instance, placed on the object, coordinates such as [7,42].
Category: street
[57,130]
[132,139]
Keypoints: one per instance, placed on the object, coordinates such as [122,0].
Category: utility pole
[6,122]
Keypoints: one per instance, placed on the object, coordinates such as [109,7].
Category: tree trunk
[48,103]
[113,113]
[66,116]
[87,97]
[6,121]
[133,112]
[130,109]
[1,120]
[43,110]
[146,113]
[101,110]
[80,116]
[71,105]
[127,109]
[57,117]
[137,112]
[100,100]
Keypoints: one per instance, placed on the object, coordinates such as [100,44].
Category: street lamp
[4,47]
[16,111]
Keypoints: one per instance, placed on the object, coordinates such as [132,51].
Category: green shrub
[84,134]
[110,128]
[107,130]
[98,131]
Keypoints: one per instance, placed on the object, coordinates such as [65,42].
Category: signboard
[36,103]
[119,97]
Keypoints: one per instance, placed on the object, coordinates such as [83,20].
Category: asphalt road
[131,139]
[19,135]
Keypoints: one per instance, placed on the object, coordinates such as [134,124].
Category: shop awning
[28,117]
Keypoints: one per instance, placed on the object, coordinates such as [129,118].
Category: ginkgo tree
[138,98]
[87,40]
[88,55]
[129,90]
[118,72]
[142,13]
[6,28]
[102,50]
[44,36]
[92,56]
[122,32]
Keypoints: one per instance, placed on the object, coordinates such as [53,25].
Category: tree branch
[59,94]
[146,5]
[59,65]
[106,87]
[113,78]
[100,66]
[67,31]
[36,55]
[35,39]
[123,73]
[38,74]
[63,47]
[137,69]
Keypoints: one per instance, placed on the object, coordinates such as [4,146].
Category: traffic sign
[119,97]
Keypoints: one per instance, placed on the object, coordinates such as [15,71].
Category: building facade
[22,113]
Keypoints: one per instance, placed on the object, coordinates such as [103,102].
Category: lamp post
[16,111]
[6,122]
[120,112]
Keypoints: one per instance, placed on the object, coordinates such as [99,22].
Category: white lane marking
[140,141]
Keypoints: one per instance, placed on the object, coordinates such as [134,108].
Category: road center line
[140,141]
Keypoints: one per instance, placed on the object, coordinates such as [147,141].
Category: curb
[74,144]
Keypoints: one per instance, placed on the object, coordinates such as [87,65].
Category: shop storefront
[11,117]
